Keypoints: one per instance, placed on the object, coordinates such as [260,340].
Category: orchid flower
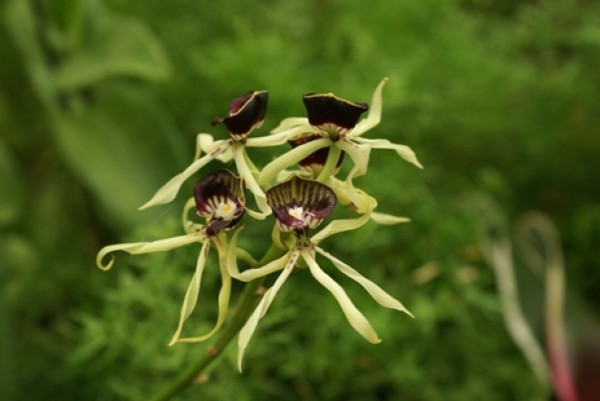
[300,205]
[333,123]
[219,198]
[246,113]
[315,164]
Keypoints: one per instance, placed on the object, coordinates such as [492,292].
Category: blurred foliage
[100,104]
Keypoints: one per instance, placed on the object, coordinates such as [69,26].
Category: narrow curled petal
[257,272]
[168,191]
[339,226]
[136,248]
[363,202]
[403,151]
[374,116]
[358,153]
[380,296]
[223,302]
[293,123]
[189,226]
[276,139]
[245,113]
[290,158]
[356,319]
[315,161]
[300,204]
[246,256]
[388,219]
[276,237]
[207,144]
[360,156]
[193,290]
[339,187]
[347,194]
[254,273]
[244,170]
[248,330]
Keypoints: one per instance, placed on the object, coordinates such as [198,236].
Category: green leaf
[123,149]
[21,25]
[12,188]
[123,47]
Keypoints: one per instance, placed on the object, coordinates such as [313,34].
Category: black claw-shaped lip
[220,199]
[245,113]
[317,159]
[300,204]
[327,111]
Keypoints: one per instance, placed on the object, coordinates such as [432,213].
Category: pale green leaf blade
[124,47]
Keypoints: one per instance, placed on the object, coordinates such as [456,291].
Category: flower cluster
[300,188]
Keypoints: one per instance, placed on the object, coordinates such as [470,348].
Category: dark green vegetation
[100,104]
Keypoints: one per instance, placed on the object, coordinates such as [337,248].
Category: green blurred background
[100,105]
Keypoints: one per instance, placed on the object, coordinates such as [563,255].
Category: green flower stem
[331,163]
[245,256]
[244,309]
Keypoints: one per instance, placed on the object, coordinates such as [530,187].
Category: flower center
[333,131]
[296,212]
[225,210]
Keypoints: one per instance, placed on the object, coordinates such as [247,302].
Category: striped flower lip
[315,161]
[220,199]
[331,113]
[245,114]
[300,204]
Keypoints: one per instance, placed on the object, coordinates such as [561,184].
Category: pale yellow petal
[358,153]
[136,248]
[374,116]
[403,151]
[339,226]
[257,215]
[223,301]
[253,273]
[193,290]
[275,139]
[347,193]
[248,330]
[293,123]
[189,226]
[356,319]
[245,172]
[341,191]
[388,219]
[363,202]
[276,236]
[206,143]
[257,272]
[168,191]
[379,295]
[291,158]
